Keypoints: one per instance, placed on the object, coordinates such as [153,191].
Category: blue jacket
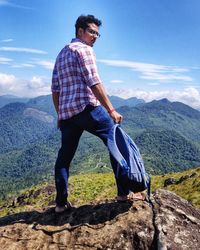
[127,154]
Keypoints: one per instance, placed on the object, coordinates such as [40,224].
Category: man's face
[90,35]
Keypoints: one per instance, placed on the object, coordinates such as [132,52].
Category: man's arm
[100,93]
[55,97]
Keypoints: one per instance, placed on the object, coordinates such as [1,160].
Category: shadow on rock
[87,214]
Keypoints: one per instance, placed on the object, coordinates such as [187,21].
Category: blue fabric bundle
[129,159]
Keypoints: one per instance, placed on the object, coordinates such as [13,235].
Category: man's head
[87,28]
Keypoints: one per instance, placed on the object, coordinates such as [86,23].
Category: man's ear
[80,32]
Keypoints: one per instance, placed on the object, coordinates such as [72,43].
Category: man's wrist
[110,111]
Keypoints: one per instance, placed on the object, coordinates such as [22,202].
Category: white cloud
[23,65]
[7,80]
[45,64]
[10,4]
[35,62]
[37,82]
[189,96]
[26,50]
[36,86]
[5,60]
[116,81]
[165,77]
[153,83]
[7,40]
[150,71]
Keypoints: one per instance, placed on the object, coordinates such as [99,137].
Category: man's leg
[102,129]
[97,121]
[70,138]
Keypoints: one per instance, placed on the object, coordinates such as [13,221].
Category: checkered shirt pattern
[74,73]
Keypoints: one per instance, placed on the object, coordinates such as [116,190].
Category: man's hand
[101,95]
[117,117]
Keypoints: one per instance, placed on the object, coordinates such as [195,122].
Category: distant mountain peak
[164,100]
[9,96]
[6,99]
[178,107]
[130,102]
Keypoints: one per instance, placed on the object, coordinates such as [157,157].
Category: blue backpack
[127,154]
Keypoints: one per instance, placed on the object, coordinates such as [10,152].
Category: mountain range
[167,133]
[6,99]
[45,101]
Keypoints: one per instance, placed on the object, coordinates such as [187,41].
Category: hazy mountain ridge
[166,105]
[45,102]
[6,99]
[131,102]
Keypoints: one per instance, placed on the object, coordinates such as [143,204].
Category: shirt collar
[77,40]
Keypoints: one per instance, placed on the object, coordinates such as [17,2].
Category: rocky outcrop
[177,223]
[171,180]
[169,222]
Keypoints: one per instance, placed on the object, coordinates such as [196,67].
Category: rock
[177,223]
[169,181]
[168,223]
[183,178]
[21,199]
[14,202]
[193,175]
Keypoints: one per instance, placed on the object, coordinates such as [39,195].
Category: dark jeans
[94,120]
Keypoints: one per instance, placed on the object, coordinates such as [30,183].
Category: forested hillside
[168,135]
[21,125]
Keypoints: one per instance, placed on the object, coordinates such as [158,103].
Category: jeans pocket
[98,114]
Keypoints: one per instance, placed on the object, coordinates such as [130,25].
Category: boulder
[169,181]
[168,222]
[183,178]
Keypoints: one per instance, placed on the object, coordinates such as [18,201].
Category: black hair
[83,21]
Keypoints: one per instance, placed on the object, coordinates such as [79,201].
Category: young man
[78,96]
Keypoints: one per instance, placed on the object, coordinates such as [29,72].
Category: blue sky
[149,49]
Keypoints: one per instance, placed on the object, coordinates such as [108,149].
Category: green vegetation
[18,130]
[163,151]
[87,188]
[167,134]
[188,188]
[167,151]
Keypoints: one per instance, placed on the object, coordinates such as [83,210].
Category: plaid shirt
[74,73]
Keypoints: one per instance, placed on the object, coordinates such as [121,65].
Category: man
[78,96]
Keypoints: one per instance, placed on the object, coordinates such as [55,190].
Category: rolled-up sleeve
[55,86]
[88,66]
